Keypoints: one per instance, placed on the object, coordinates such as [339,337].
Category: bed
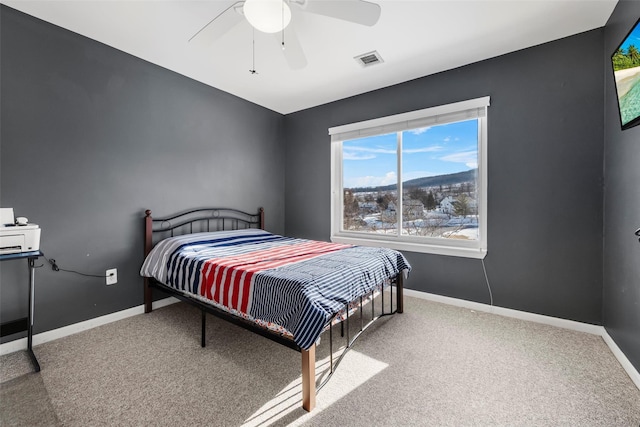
[289,290]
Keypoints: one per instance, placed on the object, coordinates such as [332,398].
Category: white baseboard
[538,318]
[21,344]
[507,312]
[626,364]
[41,338]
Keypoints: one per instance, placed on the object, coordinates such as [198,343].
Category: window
[415,181]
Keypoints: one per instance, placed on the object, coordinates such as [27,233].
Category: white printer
[16,234]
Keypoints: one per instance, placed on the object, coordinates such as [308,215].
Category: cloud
[469,158]
[390,178]
[376,150]
[350,150]
[371,181]
[420,131]
[430,149]
[355,156]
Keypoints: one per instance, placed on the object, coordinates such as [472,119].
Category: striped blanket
[280,282]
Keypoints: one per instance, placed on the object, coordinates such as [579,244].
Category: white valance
[459,111]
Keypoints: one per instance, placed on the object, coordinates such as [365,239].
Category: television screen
[626,70]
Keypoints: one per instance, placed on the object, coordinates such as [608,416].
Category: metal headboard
[199,220]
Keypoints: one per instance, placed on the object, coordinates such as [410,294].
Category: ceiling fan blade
[219,25]
[293,52]
[357,11]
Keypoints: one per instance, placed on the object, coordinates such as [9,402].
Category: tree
[417,193]
[351,211]
[383,200]
[622,60]
[618,59]
[431,201]
[461,206]
[633,54]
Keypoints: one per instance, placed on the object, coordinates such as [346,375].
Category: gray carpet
[24,401]
[434,365]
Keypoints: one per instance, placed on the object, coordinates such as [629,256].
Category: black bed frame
[217,219]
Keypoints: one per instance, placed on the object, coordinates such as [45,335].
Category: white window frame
[449,113]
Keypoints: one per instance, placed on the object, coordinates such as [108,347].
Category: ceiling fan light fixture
[268,16]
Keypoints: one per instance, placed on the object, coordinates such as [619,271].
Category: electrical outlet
[112,276]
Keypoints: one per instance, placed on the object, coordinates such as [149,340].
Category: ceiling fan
[273,16]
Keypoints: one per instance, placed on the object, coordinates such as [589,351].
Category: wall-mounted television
[626,71]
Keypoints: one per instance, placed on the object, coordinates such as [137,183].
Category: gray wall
[90,138]
[621,306]
[545,175]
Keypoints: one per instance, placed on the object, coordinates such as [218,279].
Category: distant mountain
[426,181]
[449,179]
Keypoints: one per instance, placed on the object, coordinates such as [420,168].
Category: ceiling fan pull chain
[253,52]
[283,25]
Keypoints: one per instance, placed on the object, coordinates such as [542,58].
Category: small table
[25,323]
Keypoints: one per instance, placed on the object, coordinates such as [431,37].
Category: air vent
[369,59]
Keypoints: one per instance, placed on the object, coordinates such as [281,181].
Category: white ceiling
[415,38]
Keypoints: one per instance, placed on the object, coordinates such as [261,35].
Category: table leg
[32,273]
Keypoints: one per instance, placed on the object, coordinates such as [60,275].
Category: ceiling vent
[369,59]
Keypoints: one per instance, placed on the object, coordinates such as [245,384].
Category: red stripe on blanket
[228,280]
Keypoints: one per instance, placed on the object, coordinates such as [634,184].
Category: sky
[435,150]
[633,39]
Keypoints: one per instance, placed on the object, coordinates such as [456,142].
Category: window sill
[477,253]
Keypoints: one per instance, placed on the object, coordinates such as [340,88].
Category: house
[413,208]
[93,136]
[447,205]
[367,207]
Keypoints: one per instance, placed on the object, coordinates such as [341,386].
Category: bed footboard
[400,293]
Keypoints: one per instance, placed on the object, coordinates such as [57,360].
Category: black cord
[55,267]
